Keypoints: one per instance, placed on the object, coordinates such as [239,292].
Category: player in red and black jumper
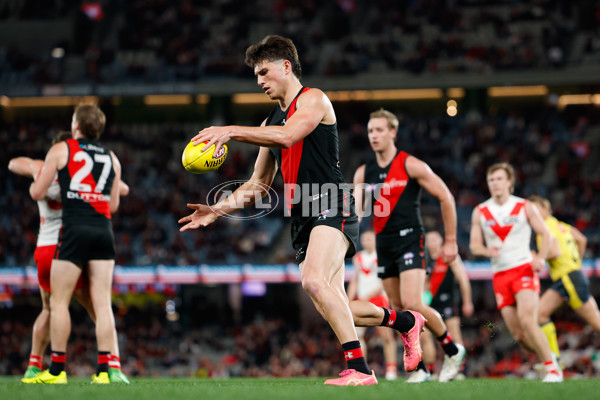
[300,138]
[389,188]
[89,176]
[445,298]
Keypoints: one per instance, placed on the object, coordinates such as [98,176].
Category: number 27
[77,180]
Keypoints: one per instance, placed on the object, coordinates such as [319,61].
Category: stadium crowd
[159,41]
[555,153]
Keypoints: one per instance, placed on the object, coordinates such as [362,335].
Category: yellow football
[197,161]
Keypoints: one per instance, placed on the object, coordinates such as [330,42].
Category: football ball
[197,161]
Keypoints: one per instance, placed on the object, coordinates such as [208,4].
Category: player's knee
[57,304]
[543,318]
[314,286]
[529,324]
[412,304]
[518,335]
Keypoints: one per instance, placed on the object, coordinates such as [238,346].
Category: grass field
[300,388]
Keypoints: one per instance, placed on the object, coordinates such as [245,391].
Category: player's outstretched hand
[449,251]
[202,216]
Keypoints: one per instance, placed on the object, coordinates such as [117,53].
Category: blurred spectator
[158,41]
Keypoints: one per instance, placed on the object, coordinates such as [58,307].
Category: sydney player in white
[505,222]
[366,285]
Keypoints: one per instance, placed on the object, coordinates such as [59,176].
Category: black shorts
[445,303]
[397,253]
[574,288]
[82,242]
[302,226]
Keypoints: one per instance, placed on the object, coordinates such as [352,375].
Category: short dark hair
[62,136]
[274,48]
[91,120]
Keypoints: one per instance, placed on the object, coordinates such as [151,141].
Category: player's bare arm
[464,284]
[115,198]
[123,189]
[265,169]
[554,249]
[55,160]
[359,191]
[434,185]
[25,166]
[539,226]
[580,239]
[476,244]
[313,108]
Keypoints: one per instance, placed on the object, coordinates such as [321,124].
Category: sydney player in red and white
[505,222]
[366,285]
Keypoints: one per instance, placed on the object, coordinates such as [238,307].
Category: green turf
[300,388]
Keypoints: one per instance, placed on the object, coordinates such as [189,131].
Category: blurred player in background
[50,208]
[89,176]
[569,284]
[399,230]
[300,138]
[505,221]
[366,285]
[444,299]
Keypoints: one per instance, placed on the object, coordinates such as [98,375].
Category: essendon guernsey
[312,163]
[86,181]
[441,279]
[393,197]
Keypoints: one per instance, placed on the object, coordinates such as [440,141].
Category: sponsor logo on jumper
[88,197]
[510,220]
[323,214]
[91,147]
[371,187]
[404,232]
[395,183]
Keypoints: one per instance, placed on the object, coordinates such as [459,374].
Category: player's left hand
[467,309]
[538,264]
[202,216]
[217,135]
[449,251]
